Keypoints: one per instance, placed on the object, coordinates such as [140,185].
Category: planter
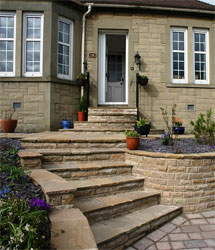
[178,130]
[66,124]
[132,142]
[8,126]
[81,116]
[144,130]
[142,81]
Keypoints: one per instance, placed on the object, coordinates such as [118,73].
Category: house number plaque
[92,55]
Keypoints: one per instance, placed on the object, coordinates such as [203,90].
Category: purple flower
[41,204]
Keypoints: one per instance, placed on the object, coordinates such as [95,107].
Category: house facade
[41,55]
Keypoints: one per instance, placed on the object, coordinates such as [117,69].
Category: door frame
[102,67]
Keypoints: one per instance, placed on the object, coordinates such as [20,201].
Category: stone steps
[105,124]
[122,231]
[106,186]
[100,208]
[68,170]
[112,111]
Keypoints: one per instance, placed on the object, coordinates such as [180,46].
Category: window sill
[190,85]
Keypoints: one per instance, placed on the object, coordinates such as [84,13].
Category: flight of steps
[114,201]
[108,121]
[118,208]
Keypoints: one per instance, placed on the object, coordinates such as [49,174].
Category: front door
[112,69]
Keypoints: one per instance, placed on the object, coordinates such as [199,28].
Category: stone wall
[34,97]
[186,180]
[65,99]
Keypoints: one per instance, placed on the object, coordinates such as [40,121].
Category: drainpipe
[83,36]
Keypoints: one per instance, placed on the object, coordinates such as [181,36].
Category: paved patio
[189,231]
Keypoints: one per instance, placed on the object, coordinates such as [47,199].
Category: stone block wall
[149,34]
[33,116]
[65,99]
[184,180]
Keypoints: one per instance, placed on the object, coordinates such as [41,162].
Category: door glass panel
[114,68]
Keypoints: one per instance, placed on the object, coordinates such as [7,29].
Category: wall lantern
[137,60]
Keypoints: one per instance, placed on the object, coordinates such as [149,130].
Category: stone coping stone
[51,183]
[61,167]
[27,155]
[71,230]
[209,155]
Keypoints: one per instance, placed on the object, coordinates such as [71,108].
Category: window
[7,44]
[32,44]
[179,55]
[201,57]
[65,36]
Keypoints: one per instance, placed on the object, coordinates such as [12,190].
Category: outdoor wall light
[137,59]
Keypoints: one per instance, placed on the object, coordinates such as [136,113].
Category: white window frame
[71,25]
[25,39]
[185,80]
[10,74]
[206,32]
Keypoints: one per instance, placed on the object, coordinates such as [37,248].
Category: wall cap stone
[209,155]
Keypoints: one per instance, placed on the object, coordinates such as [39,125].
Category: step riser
[105,126]
[112,111]
[86,174]
[109,189]
[105,118]
[83,132]
[126,239]
[72,145]
[121,209]
[83,157]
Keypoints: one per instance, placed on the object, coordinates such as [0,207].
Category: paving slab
[186,232]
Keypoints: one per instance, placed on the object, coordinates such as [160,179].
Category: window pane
[36,67]
[3,33]
[202,38]
[175,56]
[181,74]
[197,66]
[30,33]
[175,45]
[30,22]
[9,45]
[196,46]
[196,37]
[2,56]
[175,65]
[181,46]
[37,22]
[181,36]
[181,66]
[175,36]
[9,56]
[181,56]
[10,33]
[29,67]
[2,66]
[2,45]
[3,21]
[37,56]
[10,22]
[202,46]
[30,56]
[9,67]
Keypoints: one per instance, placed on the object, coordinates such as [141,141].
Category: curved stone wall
[183,179]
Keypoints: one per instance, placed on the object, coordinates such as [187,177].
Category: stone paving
[188,231]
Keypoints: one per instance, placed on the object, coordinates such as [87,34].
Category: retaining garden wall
[186,180]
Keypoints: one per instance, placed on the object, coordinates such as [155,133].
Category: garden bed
[181,146]
[22,204]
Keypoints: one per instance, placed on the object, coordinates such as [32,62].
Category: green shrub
[83,104]
[204,128]
[131,133]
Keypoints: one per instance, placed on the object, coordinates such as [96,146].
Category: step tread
[114,227]
[105,181]
[96,203]
[84,166]
[96,121]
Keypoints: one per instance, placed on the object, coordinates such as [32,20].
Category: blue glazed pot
[66,124]
[178,130]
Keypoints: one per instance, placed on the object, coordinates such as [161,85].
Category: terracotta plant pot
[132,142]
[8,126]
[81,116]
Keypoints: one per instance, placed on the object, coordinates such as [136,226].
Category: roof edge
[126,6]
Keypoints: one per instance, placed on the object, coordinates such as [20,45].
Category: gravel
[182,146]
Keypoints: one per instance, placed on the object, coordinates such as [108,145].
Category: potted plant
[132,139]
[8,124]
[82,79]
[66,123]
[82,109]
[142,126]
[177,128]
[142,80]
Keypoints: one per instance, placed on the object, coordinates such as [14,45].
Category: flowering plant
[165,138]
[178,122]
[81,76]
[38,203]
